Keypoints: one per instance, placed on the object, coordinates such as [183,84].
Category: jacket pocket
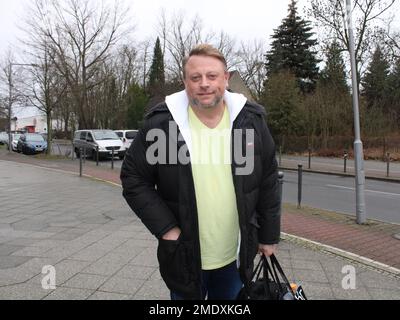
[173,259]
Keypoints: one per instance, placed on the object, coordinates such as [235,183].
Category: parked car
[31,143]
[44,135]
[126,136]
[3,138]
[14,141]
[104,140]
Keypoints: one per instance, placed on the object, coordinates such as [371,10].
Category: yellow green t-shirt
[215,193]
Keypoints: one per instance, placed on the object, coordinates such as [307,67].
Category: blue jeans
[219,284]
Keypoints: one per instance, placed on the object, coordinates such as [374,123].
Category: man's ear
[227,78]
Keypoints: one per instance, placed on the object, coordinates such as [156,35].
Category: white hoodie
[178,104]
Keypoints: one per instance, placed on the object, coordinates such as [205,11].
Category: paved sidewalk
[100,250]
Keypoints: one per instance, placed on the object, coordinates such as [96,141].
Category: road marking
[353,189]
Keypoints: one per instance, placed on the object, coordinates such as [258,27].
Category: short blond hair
[204,50]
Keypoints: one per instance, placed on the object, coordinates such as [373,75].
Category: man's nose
[204,82]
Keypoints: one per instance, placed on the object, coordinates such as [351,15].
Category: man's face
[205,81]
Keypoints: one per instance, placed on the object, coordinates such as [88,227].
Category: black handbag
[266,283]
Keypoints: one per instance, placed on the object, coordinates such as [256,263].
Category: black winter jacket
[163,197]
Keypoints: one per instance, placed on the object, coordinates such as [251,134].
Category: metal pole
[388,164]
[345,161]
[280,180]
[358,146]
[97,155]
[309,158]
[112,159]
[9,107]
[280,155]
[80,162]
[300,186]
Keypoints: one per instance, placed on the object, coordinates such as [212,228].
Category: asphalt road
[338,194]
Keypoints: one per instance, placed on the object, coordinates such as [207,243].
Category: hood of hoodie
[178,105]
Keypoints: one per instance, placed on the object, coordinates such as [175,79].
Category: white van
[126,136]
[105,140]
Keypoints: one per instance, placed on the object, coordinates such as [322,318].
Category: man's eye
[195,79]
[212,77]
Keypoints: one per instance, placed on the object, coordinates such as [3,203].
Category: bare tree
[392,40]
[143,62]
[330,16]
[180,34]
[252,66]
[10,91]
[46,89]
[82,35]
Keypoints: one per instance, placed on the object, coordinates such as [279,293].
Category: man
[210,214]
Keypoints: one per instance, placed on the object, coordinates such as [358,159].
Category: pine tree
[394,91]
[292,50]
[334,73]
[282,100]
[375,82]
[136,102]
[332,101]
[156,86]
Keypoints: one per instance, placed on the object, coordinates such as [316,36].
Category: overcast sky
[244,20]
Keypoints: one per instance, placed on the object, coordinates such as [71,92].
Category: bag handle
[267,273]
[275,265]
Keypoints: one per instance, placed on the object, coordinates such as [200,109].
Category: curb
[372,264]
[342,174]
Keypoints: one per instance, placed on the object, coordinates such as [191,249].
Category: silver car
[14,140]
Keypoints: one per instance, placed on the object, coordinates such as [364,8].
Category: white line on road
[353,189]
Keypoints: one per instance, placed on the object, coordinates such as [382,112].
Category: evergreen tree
[156,86]
[375,82]
[282,100]
[291,50]
[136,100]
[394,92]
[334,73]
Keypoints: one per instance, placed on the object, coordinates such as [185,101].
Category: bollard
[112,159]
[280,180]
[73,151]
[280,155]
[300,185]
[388,164]
[97,155]
[80,162]
[309,158]
[345,160]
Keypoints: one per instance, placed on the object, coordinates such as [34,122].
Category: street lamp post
[358,146]
[10,99]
